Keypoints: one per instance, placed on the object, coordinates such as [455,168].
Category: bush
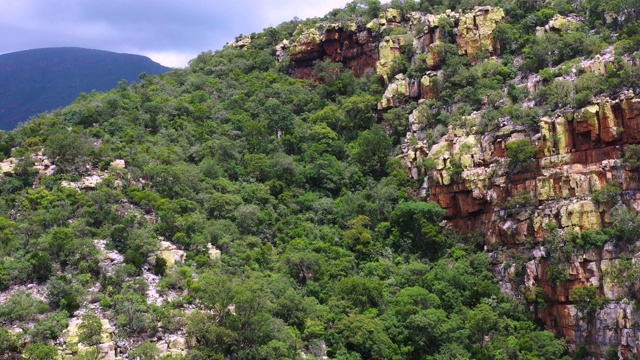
[521,154]
[160,267]
[587,299]
[399,65]
[50,327]
[22,306]
[609,195]
[558,94]
[631,157]
[40,352]
[521,202]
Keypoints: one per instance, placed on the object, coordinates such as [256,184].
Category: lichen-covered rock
[557,24]
[396,93]
[73,346]
[468,151]
[392,15]
[580,216]
[587,121]
[118,164]
[475,30]
[389,49]
[428,87]
[170,253]
[7,165]
[308,46]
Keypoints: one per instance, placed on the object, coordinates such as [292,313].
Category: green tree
[366,336]
[90,332]
[481,322]
[521,154]
[39,351]
[68,150]
[146,351]
[418,223]
[371,152]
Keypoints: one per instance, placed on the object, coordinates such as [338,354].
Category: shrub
[558,94]
[587,299]
[160,267]
[40,352]
[521,202]
[21,306]
[521,154]
[608,195]
[51,327]
[631,157]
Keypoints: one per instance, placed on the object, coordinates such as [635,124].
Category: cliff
[531,216]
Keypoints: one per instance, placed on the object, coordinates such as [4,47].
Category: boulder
[118,164]
[396,93]
[214,254]
[90,182]
[170,253]
[8,165]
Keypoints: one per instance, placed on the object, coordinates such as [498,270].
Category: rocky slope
[578,153]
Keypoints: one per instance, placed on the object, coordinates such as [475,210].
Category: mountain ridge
[37,80]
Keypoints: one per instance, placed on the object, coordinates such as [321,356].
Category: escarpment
[374,46]
[538,216]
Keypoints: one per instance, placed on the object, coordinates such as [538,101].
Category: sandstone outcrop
[475,31]
[170,253]
[558,23]
[579,153]
[74,347]
[352,45]
[374,46]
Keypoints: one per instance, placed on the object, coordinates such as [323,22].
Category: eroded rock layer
[578,154]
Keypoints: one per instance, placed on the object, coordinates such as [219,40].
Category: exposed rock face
[373,47]
[214,254]
[242,43]
[475,31]
[467,171]
[355,47]
[73,346]
[578,154]
[87,182]
[118,164]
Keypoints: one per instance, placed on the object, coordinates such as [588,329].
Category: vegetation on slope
[324,239]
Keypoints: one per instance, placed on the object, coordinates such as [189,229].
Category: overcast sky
[170,32]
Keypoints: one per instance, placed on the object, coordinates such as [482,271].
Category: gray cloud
[169,31]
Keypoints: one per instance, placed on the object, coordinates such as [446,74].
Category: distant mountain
[38,80]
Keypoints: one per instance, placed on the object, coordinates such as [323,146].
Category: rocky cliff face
[375,46]
[579,153]
[467,171]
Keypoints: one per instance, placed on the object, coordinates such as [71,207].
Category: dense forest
[299,233]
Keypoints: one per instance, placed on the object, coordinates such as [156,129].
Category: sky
[170,32]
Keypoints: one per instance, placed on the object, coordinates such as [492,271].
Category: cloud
[168,31]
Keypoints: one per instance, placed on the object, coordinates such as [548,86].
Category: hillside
[402,181]
[39,80]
